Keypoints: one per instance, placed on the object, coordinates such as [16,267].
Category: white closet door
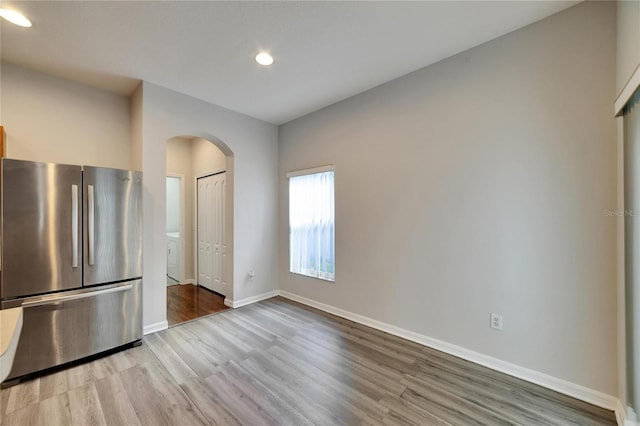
[205,232]
[219,241]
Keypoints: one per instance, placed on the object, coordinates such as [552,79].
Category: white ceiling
[324,51]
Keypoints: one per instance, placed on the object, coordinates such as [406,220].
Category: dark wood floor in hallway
[280,363]
[186,302]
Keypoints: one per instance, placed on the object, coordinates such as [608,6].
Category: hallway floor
[186,302]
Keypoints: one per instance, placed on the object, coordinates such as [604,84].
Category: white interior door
[205,237]
[212,241]
[219,238]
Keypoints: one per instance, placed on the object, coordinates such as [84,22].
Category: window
[311,223]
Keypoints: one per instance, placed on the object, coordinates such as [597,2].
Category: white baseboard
[625,416]
[189,281]
[249,300]
[577,391]
[152,328]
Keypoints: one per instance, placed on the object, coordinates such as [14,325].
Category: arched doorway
[199,230]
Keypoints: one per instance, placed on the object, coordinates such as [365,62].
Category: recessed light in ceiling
[15,17]
[263,58]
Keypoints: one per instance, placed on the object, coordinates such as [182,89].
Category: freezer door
[68,326]
[41,229]
[113,225]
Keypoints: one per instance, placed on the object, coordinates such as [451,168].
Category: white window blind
[311,223]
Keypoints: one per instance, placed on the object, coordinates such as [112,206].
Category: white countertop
[10,328]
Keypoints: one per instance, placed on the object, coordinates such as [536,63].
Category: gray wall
[251,147]
[480,184]
[628,41]
[51,119]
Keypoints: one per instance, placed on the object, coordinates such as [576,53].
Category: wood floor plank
[55,411]
[245,409]
[254,326]
[452,410]
[524,395]
[367,344]
[26,415]
[337,368]
[157,399]
[311,386]
[540,394]
[402,410]
[181,345]
[386,365]
[275,406]
[282,327]
[140,355]
[216,340]
[227,335]
[201,347]
[186,302]
[243,333]
[366,406]
[304,400]
[116,407]
[287,317]
[20,396]
[502,397]
[88,372]
[173,363]
[85,406]
[487,401]
[53,384]
[213,410]
[340,364]
[118,362]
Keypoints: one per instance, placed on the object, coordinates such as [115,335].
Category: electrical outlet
[496,321]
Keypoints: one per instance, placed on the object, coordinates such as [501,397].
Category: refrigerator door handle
[60,299]
[91,224]
[74,225]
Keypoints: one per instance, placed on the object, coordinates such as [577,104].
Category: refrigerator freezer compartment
[58,329]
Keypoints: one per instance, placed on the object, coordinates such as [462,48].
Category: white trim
[621,414]
[249,300]
[628,91]
[183,224]
[207,174]
[189,281]
[321,169]
[632,417]
[574,390]
[152,328]
[620,290]
[625,416]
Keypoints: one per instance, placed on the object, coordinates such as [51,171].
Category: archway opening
[199,227]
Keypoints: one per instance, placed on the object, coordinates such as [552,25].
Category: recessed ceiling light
[15,17]
[263,58]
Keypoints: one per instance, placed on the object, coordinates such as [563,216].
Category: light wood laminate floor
[280,363]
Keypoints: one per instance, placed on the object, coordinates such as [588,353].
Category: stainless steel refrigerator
[71,256]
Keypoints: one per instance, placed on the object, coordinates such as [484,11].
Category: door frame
[196,272]
[183,224]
